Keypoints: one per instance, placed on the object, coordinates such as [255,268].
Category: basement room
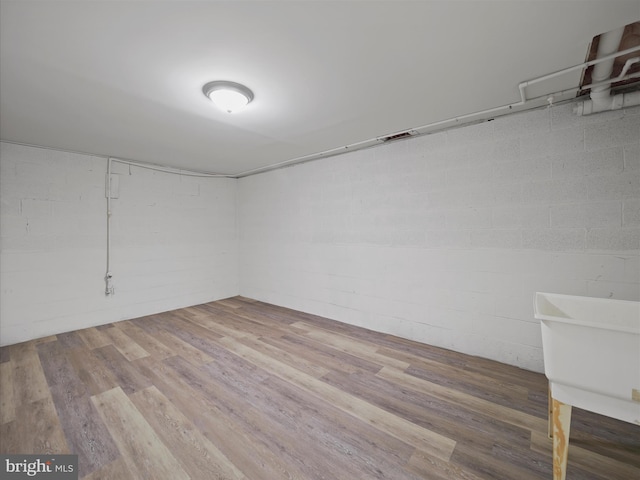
[320,240]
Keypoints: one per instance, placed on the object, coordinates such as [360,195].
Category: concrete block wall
[445,238]
[442,238]
[174,242]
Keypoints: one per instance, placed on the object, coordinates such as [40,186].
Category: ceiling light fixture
[228,96]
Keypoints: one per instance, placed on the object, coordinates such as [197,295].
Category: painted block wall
[445,238]
[174,242]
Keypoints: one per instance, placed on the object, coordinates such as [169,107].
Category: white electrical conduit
[109,290]
[413,131]
[549,76]
[175,171]
[626,67]
[469,117]
[108,277]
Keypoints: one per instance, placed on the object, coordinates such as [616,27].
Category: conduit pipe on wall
[174,171]
[601,58]
[108,276]
[476,116]
[424,129]
[600,98]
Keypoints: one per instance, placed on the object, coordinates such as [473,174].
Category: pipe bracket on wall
[109,288]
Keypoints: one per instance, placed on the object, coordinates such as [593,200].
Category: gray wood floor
[242,389]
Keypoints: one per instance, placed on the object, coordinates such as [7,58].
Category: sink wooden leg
[561,428]
[550,416]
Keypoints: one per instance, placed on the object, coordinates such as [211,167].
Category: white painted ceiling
[124,78]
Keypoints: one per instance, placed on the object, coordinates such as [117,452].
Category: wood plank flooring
[239,389]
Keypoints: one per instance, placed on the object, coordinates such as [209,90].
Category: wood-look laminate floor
[238,389]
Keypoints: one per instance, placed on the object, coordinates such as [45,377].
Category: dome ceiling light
[228,96]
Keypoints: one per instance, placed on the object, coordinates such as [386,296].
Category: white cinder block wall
[442,239]
[174,242]
[445,238]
